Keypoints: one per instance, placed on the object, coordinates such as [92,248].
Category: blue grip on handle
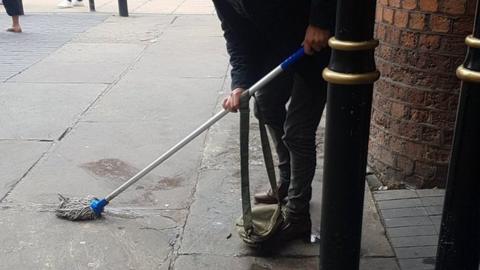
[293,58]
[97,206]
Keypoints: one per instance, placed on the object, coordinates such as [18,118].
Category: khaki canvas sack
[257,225]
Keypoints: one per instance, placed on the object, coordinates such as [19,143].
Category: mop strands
[73,209]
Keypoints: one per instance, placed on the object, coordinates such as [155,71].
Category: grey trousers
[294,129]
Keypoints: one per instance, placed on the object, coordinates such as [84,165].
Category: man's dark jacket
[260,33]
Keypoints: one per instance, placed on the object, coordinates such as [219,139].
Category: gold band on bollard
[468,75]
[350,78]
[472,42]
[342,45]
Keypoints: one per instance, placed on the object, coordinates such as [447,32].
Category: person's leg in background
[13,9]
[70,4]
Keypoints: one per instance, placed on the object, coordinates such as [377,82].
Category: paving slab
[403,212]
[43,34]
[22,155]
[95,158]
[406,203]
[395,194]
[36,239]
[162,100]
[134,29]
[412,231]
[407,221]
[411,241]
[192,60]
[417,264]
[43,111]
[167,7]
[83,62]
[217,203]
[204,262]
[416,252]
[209,262]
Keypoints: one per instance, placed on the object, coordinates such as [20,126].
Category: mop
[90,208]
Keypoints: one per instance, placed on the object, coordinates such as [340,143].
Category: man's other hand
[232,102]
[315,39]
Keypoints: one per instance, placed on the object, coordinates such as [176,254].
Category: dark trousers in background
[12,7]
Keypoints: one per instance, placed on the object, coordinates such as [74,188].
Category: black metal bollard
[123,8]
[351,74]
[91,4]
[459,241]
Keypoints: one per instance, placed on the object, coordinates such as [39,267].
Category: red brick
[434,154]
[442,119]
[454,7]
[439,100]
[463,26]
[378,13]
[397,144]
[419,116]
[430,61]
[383,104]
[424,169]
[417,21]
[410,130]
[428,5]
[384,2]
[431,134]
[380,32]
[454,46]
[409,4]
[388,15]
[386,157]
[429,42]
[394,3]
[381,119]
[398,110]
[447,136]
[392,35]
[408,39]
[414,150]
[401,18]
[404,164]
[440,23]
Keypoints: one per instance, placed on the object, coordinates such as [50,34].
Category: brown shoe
[269,198]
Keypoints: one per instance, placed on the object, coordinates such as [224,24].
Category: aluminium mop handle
[250,92]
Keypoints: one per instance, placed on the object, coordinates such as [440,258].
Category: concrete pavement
[88,99]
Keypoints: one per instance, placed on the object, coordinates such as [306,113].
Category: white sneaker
[65,4]
[76,3]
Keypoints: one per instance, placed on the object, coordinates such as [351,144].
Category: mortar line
[12,187]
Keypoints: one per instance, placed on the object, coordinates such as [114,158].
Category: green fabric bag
[257,225]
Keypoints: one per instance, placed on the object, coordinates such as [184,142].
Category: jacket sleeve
[240,46]
[322,14]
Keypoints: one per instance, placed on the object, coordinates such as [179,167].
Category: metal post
[20,5]
[91,4]
[351,74]
[123,8]
[459,241]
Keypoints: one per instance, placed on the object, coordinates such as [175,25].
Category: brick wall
[415,100]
